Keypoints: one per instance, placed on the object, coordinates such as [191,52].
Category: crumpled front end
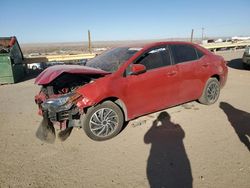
[57,97]
[59,108]
[61,111]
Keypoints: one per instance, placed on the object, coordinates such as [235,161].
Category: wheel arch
[119,103]
[216,76]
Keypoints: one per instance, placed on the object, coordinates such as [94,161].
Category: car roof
[138,46]
[154,44]
[149,45]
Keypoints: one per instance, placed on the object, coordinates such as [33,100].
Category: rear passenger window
[155,58]
[183,53]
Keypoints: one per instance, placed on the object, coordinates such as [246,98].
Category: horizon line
[124,40]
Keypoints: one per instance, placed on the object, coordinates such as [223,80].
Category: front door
[155,89]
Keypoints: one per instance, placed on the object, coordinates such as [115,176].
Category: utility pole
[90,47]
[192,35]
[202,33]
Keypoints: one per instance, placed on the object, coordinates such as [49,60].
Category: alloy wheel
[212,92]
[103,122]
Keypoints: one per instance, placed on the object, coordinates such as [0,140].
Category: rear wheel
[103,121]
[211,92]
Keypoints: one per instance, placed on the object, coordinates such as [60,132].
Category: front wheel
[211,92]
[103,121]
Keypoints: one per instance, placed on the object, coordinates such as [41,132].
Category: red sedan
[127,82]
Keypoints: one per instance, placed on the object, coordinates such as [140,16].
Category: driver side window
[155,58]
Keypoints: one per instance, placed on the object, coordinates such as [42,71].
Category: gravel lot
[199,146]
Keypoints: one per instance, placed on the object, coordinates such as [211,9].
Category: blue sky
[35,21]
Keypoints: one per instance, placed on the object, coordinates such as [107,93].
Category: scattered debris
[139,123]
[188,106]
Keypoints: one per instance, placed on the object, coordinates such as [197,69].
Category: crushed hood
[53,72]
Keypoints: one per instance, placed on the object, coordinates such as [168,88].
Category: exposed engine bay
[66,83]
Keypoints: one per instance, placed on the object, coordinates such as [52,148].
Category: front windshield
[111,60]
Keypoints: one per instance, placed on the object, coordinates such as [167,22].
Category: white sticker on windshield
[157,50]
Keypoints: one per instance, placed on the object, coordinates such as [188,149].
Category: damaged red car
[127,82]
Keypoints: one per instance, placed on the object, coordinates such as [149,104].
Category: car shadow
[168,164]
[236,64]
[240,121]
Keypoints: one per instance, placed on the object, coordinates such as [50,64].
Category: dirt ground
[186,146]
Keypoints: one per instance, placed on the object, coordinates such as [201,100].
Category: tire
[103,121]
[211,92]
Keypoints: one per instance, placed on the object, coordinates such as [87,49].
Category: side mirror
[137,69]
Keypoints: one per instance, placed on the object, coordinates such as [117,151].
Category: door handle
[172,73]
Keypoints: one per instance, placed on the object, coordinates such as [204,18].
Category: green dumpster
[12,68]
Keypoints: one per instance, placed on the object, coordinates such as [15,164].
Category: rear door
[157,87]
[187,59]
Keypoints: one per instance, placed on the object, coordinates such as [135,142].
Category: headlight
[58,104]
